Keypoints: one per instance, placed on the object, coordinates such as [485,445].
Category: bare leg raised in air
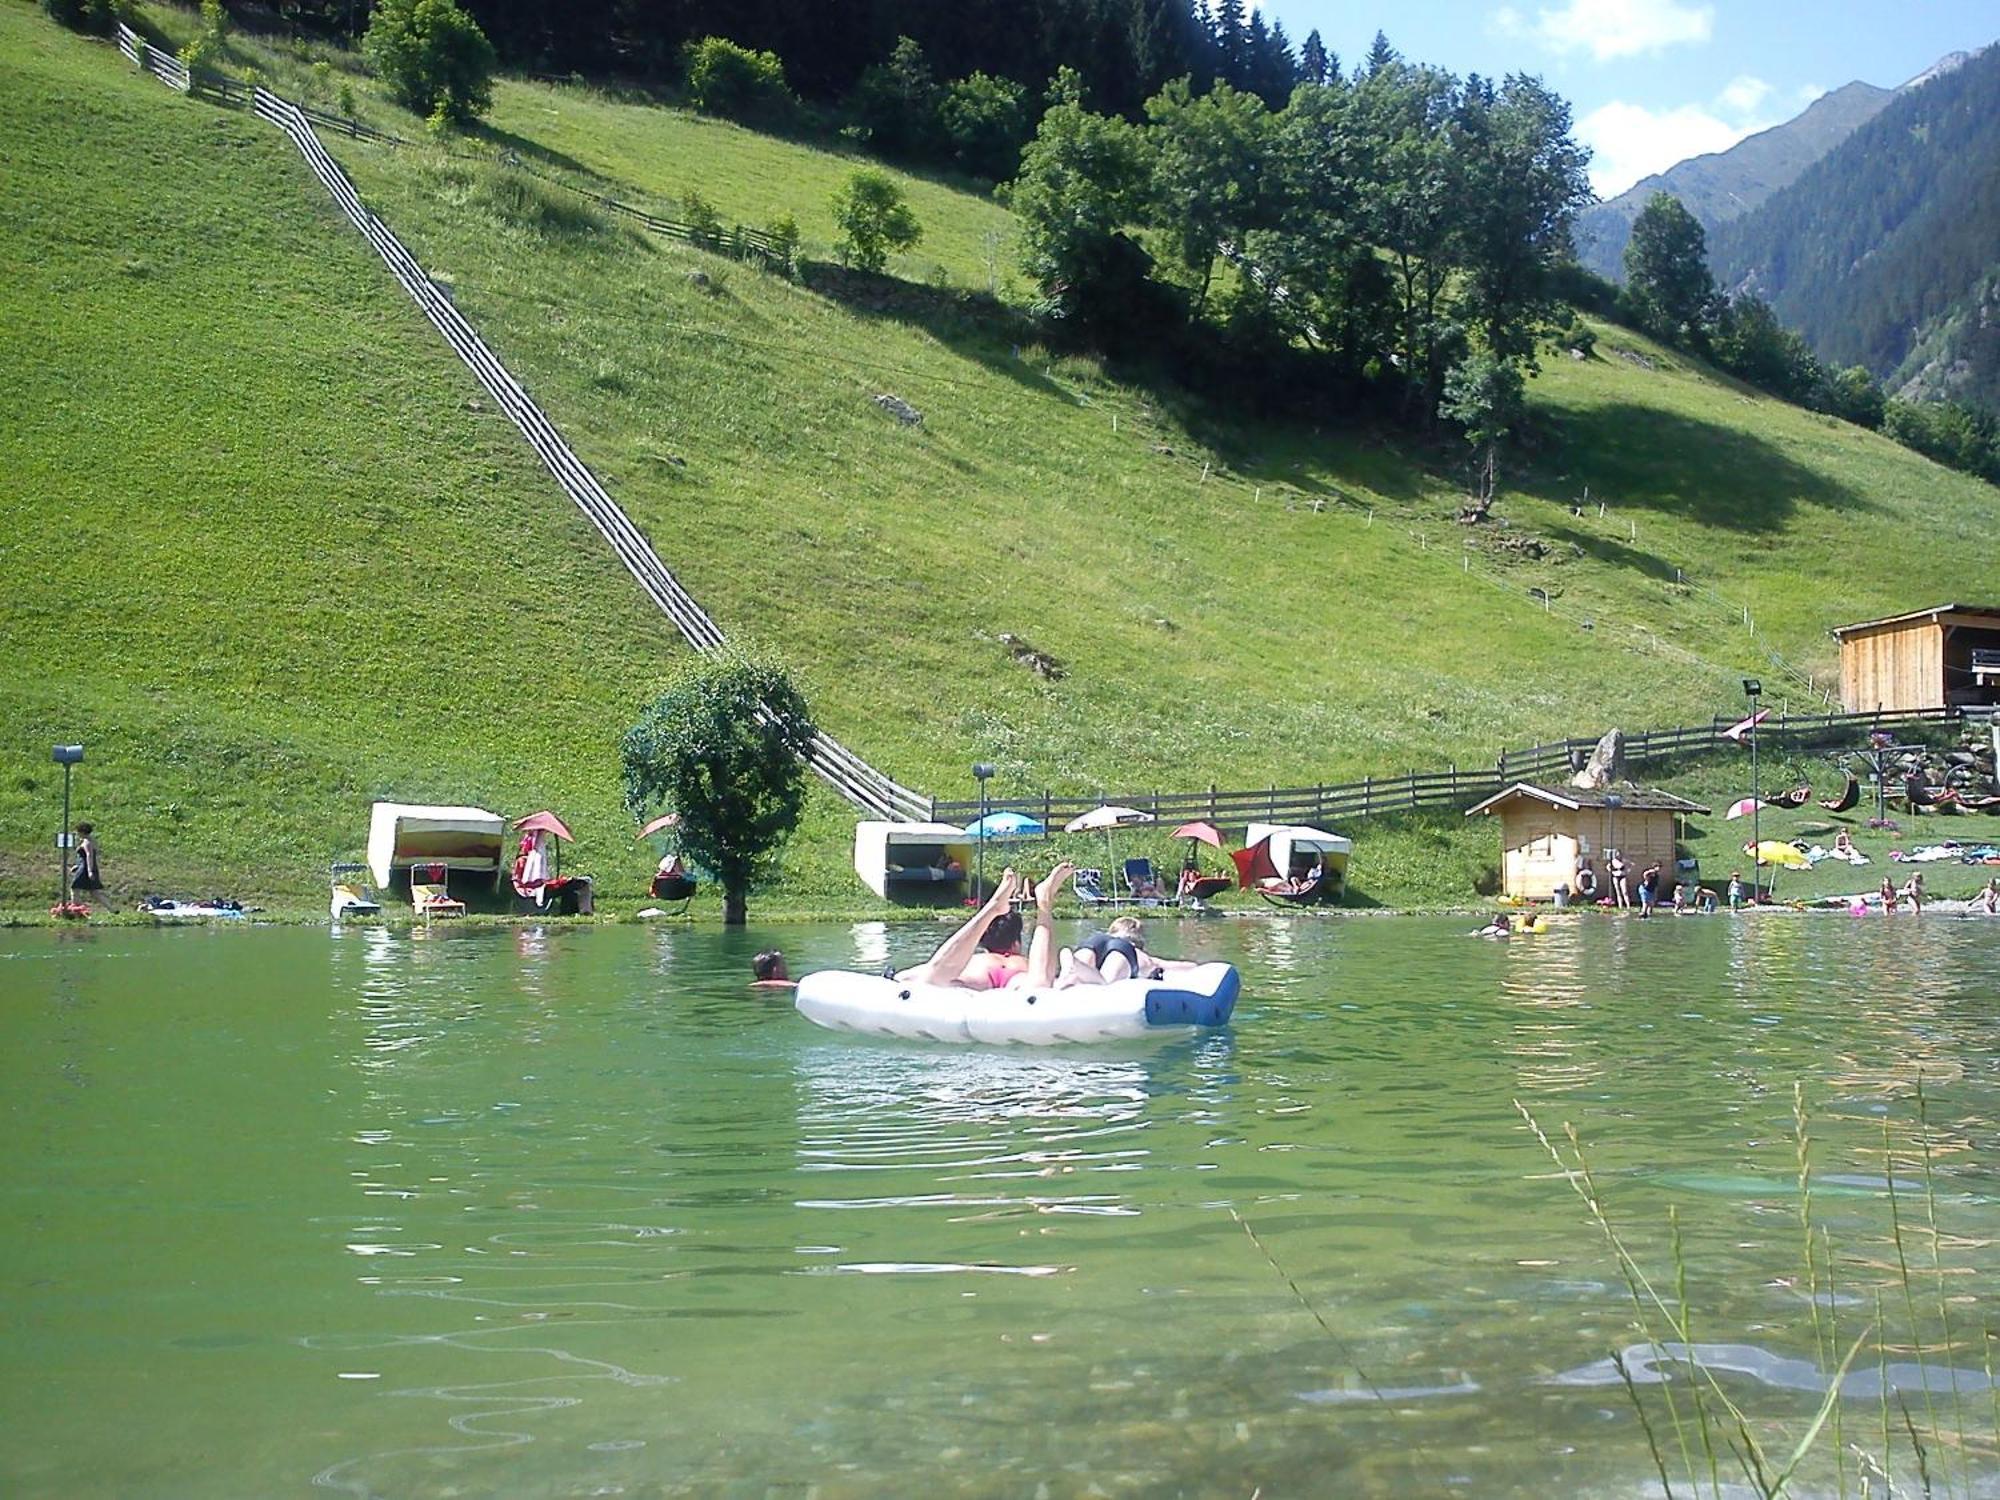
[1041,971]
[955,952]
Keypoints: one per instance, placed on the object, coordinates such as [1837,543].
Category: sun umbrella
[1744,808]
[660,825]
[1106,817]
[1204,832]
[546,822]
[1775,852]
[1002,825]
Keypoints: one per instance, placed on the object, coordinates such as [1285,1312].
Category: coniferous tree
[1380,56]
[1312,59]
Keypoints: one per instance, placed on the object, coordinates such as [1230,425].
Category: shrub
[204,52]
[986,119]
[93,17]
[703,222]
[433,56]
[784,233]
[725,79]
[874,220]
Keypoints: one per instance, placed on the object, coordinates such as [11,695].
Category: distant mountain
[1727,184]
[1886,251]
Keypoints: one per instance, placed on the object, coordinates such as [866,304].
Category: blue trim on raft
[1171,1007]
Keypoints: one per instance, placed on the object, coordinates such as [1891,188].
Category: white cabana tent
[1295,848]
[402,834]
[912,861]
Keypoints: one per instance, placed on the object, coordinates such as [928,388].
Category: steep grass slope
[273,558]
[266,557]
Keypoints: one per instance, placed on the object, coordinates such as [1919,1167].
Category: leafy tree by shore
[722,746]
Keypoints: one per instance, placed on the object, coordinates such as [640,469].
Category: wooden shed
[1544,830]
[1929,658]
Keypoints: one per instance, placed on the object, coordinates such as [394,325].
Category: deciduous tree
[723,747]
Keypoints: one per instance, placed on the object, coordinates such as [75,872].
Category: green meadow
[271,554]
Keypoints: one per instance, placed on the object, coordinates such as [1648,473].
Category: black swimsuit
[1100,945]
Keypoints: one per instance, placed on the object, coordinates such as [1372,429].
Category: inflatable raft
[844,1001]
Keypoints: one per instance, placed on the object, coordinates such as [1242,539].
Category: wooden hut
[1544,830]
[1948,654]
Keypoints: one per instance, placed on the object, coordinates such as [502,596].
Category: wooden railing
[1455,786]
[853,778]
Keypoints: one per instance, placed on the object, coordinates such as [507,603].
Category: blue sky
[1653,81]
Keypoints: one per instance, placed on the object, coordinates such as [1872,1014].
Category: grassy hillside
[274,557]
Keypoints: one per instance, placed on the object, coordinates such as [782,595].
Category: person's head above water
[769,964]
[1003,933]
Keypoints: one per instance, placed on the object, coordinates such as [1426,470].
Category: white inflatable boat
[845,1001]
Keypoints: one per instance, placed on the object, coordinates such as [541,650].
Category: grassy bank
[273,557]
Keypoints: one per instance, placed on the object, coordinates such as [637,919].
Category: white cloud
[1608,29]
[1743,94]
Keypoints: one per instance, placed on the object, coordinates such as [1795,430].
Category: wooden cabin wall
[1540,844]
[1897,666]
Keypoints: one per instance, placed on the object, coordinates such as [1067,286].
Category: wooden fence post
[1211,802]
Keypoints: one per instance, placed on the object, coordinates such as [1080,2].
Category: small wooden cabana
[1948,654]
[1544,830]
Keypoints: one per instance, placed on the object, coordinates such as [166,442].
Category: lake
[576,1212]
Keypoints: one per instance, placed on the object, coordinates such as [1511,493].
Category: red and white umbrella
[1744,808]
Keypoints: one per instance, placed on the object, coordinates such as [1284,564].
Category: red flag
[1737,731]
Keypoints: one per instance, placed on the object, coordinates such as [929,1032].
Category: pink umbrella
[660,825]
[1744,808]
[1205,832]
[546,822]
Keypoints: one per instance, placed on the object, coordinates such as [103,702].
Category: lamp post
[1753,689]
[65,756]
[982,772]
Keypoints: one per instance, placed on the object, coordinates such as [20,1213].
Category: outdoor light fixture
[65,756]
[982,772]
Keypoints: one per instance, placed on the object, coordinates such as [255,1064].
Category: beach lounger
[428,895]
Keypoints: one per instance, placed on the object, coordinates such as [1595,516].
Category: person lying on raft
[1116,953]
[1501,926]
[985,953]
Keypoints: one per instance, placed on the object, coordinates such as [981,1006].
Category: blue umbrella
[1002,825]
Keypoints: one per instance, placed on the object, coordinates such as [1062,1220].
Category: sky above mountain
[1655,81]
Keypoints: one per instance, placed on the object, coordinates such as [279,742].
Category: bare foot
[1045,893]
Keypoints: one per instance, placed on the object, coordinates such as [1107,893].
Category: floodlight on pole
[982,772]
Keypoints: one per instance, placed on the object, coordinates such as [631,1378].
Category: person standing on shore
[84,874]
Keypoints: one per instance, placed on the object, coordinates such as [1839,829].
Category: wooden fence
[1456,786]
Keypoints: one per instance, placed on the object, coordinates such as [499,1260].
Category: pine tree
[1380,56]
[1312,59]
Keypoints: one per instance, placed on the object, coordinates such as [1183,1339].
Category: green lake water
[578,1213]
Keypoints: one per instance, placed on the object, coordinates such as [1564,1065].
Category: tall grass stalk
[1909,1309]
[1937,1276]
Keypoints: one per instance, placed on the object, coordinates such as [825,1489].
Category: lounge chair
[353,896]
[1141,883]
[1924,797]
[1089,888]
[1849,796]
[1798,796]
[1197,887]
[428,895]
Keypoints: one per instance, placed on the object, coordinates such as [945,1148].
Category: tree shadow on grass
[972,324]
[1719,476]
[1616,554]
[536,154]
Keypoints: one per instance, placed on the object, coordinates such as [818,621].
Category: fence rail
[1456,786]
